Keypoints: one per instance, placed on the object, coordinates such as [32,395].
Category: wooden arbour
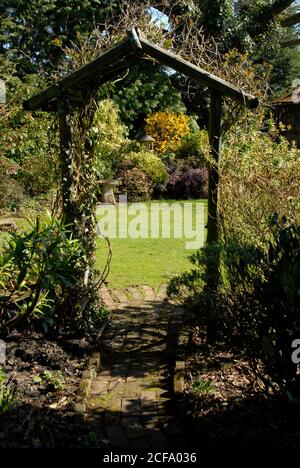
[110,65]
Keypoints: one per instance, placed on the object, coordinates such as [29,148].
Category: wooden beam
[86,73]
[198,74]
[77,95]
[215,130]
[290,20]
[292,42]
[140,47]
[278,6]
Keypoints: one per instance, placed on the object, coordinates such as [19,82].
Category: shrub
[151,165]
[188,183]
[30,142]
[40,173]
[36,272]
[12,193]
[257,302]
[135,183]
[259,175]
[194,149]
[108,135]
[167,129]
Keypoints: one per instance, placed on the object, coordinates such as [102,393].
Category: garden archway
[70,96]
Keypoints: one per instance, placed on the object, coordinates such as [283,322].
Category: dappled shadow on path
[133,390]
[132,404]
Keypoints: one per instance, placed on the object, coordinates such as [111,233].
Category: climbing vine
[79,198]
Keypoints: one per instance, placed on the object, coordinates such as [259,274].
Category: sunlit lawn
[138,261]
[148,261]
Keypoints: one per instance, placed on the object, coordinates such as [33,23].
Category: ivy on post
[78,199]
[213,248]
[215,131]
[65,137]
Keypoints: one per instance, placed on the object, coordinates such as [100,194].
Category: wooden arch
[128,53]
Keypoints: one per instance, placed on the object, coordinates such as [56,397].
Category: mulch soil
[44,376]
[235,411]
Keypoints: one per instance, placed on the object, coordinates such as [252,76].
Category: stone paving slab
[130,391]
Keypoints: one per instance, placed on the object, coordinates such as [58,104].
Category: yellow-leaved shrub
[168,129]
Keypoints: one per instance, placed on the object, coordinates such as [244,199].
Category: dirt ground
[44,376]
[231,412]
[234,411]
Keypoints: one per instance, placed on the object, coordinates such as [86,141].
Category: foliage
[150,164]
[187,183]
[97,316]
[191,284]
[167,129]
[194,146]
[7,394]
[27,139]
[259,174]
[108,137]
[135,183]
[267,321]
[55,380]
[249,316]
[254,27]
[145,89]
[38,31]
[12,193]
[202,388]
[37,268]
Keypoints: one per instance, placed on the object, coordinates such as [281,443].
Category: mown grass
[139,261]
[146,261]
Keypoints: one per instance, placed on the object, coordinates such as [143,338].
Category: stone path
[132,392]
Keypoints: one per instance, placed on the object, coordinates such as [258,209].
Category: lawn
[146,260]
[151,261]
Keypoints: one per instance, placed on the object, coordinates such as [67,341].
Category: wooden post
[215,128]
[65,137]
[213,255]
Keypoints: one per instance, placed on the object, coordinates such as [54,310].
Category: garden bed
[227,408]
[45,375]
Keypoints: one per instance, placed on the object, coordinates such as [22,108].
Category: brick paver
[131,390]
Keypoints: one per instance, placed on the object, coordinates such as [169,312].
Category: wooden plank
[111,73]
[198,74]
[134,39]
[137,43]
[86,73]
[290,20]
[215,130]
[290,43]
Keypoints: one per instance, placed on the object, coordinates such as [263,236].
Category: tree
[146,89]
[260,27]
[34,33]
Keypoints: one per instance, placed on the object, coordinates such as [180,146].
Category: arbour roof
[128,53]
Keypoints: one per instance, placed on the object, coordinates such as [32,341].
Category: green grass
[145,261]
[139,261]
